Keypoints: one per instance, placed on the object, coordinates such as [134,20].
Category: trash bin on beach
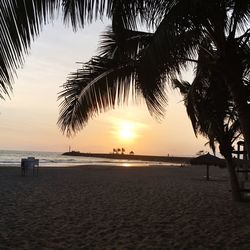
[29,164]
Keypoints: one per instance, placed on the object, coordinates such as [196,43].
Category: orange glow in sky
[29,120]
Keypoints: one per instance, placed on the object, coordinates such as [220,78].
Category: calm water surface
[13,158]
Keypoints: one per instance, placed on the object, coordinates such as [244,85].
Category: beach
[102,207]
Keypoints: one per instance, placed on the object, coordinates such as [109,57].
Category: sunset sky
[28,120]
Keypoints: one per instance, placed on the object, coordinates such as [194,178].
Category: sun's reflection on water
[126,165]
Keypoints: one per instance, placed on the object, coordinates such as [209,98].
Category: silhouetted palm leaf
[108,80]
[100,84]
[126,43]
[20,22]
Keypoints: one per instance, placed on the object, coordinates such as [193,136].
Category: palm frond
[173,45]
[78,12]
[106,79]
[239,18]
[186,90]
[20,22]
[100,85]
[126,13]
[127,43]
[131,44]
[4,90]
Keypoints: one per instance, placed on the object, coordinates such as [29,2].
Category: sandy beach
[121,208]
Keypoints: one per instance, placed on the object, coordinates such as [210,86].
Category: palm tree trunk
[226,151]
[236,194]
[238,91]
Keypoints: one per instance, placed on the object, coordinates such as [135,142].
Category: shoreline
[108,166]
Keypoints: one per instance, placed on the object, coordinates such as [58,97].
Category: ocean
[12,158]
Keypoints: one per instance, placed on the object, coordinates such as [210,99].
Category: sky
[28,121]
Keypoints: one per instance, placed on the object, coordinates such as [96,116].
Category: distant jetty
[171,159]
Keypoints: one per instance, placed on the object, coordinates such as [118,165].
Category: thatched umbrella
[208,160]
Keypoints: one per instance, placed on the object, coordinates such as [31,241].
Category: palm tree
[118,150]
[114,151]
[214,116]
[123,151]
[182,30]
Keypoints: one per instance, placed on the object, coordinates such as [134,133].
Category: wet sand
[121,208]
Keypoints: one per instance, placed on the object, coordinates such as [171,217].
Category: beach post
[23,167]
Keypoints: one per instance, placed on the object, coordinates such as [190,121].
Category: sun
[126,130]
